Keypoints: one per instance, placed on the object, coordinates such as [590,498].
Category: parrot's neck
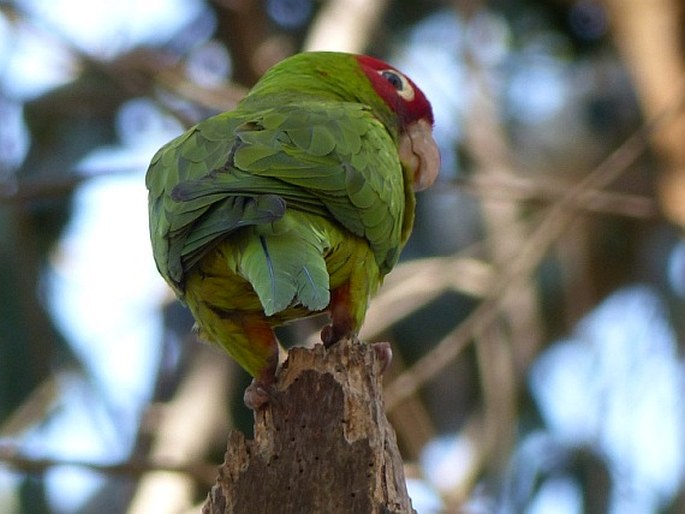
[280,87]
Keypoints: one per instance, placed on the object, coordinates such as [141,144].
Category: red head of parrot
[417,147]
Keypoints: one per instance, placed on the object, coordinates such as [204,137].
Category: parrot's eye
[400,83]
[394,79]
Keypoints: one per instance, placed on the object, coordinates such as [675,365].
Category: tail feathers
[287,269]
[312,285]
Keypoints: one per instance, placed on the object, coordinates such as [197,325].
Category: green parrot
[296,203]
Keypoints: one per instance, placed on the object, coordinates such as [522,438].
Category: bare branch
[12,457]
[538,190]
[345,25]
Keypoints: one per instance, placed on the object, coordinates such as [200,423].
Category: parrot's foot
[383,354]
[258,394]
[330,336]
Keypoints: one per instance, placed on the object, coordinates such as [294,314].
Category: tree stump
[321,445]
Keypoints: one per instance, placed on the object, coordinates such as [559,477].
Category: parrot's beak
[419,151]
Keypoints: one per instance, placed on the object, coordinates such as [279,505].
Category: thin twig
[533,190]
[12,457]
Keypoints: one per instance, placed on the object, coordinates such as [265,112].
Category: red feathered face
[417,149]
[397,90]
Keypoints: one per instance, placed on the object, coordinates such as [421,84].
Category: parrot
[295,203]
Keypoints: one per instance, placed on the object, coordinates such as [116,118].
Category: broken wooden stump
[322,445]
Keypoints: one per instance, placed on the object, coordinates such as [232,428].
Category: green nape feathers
[296,202]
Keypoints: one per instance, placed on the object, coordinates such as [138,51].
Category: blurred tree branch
[12,457]
[200,397]
[345,25]
[651,37]
[539,190]
[552,223]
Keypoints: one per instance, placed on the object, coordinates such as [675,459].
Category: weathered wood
[321,445]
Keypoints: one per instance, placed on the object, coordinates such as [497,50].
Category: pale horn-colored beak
[419,152]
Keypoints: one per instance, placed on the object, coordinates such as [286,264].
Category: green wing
[339,155]
[236,170]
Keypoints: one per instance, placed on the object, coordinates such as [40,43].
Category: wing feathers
[242,169]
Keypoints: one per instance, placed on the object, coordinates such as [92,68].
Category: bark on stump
[322,445]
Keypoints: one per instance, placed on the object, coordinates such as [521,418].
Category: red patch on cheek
[407,111]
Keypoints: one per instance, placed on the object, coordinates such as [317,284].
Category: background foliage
[536,316]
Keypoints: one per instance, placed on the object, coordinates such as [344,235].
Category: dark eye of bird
[393,78]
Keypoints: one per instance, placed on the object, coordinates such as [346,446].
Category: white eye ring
[398,81]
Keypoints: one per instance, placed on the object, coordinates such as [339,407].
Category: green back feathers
[329,76]
[296,144]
